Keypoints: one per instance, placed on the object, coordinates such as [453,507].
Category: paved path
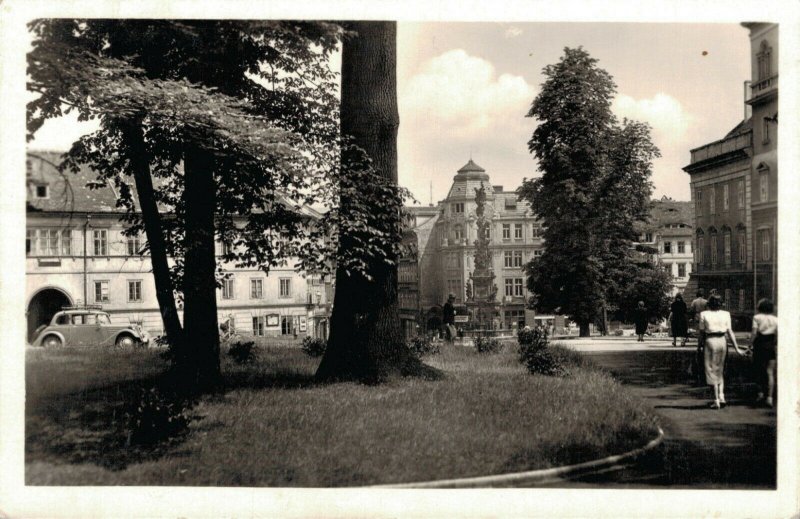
[734,447]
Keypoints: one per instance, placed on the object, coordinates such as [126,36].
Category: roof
[471,166]
[81,192]
[743,127]
[667,211]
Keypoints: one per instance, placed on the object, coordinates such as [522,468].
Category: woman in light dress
[765,343]
[715,327]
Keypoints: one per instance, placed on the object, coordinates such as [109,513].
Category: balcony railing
[765,84]
[722,146]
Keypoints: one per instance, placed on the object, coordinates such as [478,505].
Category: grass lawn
[273,426]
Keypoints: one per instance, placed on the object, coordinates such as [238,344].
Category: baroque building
[77,254]
[446,246]
[735,190]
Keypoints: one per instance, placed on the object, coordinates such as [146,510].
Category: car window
[91,318]
[62,319]
[103,319]
[78,319]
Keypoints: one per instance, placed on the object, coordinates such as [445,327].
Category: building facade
[734,192]
[447,246]
[78,254]
[668,236]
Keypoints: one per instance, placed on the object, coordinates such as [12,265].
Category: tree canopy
[595,185]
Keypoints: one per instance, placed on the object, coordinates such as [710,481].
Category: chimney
[748,110]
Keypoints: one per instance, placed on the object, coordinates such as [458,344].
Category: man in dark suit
[449,318]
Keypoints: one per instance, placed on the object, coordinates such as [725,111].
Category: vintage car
[88,327]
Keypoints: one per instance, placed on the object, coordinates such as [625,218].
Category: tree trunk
[366,340]
[584,328]
[155,237]
[200,361]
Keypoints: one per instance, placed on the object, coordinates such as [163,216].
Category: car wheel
[125,341]
[52,341]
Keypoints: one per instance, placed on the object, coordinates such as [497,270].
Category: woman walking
[765,343]
[715,327]
[677,320]
[640,319]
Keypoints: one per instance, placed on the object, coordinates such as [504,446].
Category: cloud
[463,93]
[663,112]
[512,32]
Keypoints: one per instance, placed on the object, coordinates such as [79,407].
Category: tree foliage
[595,185]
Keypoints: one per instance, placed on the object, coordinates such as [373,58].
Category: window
[66,242]
[515,317]
[742,247]
[698,197]
[42,191]
[681,270]
[713,249]
[537,230]
[517,258]
[453,260]
[100,240]
[699,249]
[509,287]
[134,245]
[726,243]
[728,297]
[741,299]
[518,290]
[681,247]
[135,291]
[508,260]
[458,207]
[765,130]
[256,289]
[286,325]
[30,239]
[48,242]
[258,325]
[517,231]
[286,287]
[101,292]
[667,247]
[763,57]
[506,231]
[725,197]
[764,239]
[511,203]
[712,195]
[648,237]
[227,288]
[458,232]
[537,253]
[227,248]
[763,183]
[740,194]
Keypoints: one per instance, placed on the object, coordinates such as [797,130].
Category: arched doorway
[43,306]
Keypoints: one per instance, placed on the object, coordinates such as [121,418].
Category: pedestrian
[715,327]
[640,320]
[765,343]
[449,318]
[677,320]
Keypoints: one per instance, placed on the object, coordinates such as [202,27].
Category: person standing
[714,326]
[449,318]
[640,320]
[677,320]
[765,343]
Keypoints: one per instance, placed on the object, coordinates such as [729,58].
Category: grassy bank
[274,427]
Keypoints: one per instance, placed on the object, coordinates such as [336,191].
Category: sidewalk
[734,447]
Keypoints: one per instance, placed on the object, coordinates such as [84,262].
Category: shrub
[487,345]
[618,332]
[154,416]
[422,345]
[537,356]
[314,347]
[243,352]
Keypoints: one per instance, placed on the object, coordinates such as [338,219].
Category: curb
[532,476]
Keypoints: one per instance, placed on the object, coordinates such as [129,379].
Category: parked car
[88,328]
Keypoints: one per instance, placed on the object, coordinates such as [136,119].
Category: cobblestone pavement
[734,447]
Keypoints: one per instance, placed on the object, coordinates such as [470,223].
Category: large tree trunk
[200,363]
[366,340]
[155,237]
[584,328]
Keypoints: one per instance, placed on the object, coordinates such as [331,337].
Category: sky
[464,90]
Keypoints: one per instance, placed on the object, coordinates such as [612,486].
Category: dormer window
[458,207]
[42,191]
